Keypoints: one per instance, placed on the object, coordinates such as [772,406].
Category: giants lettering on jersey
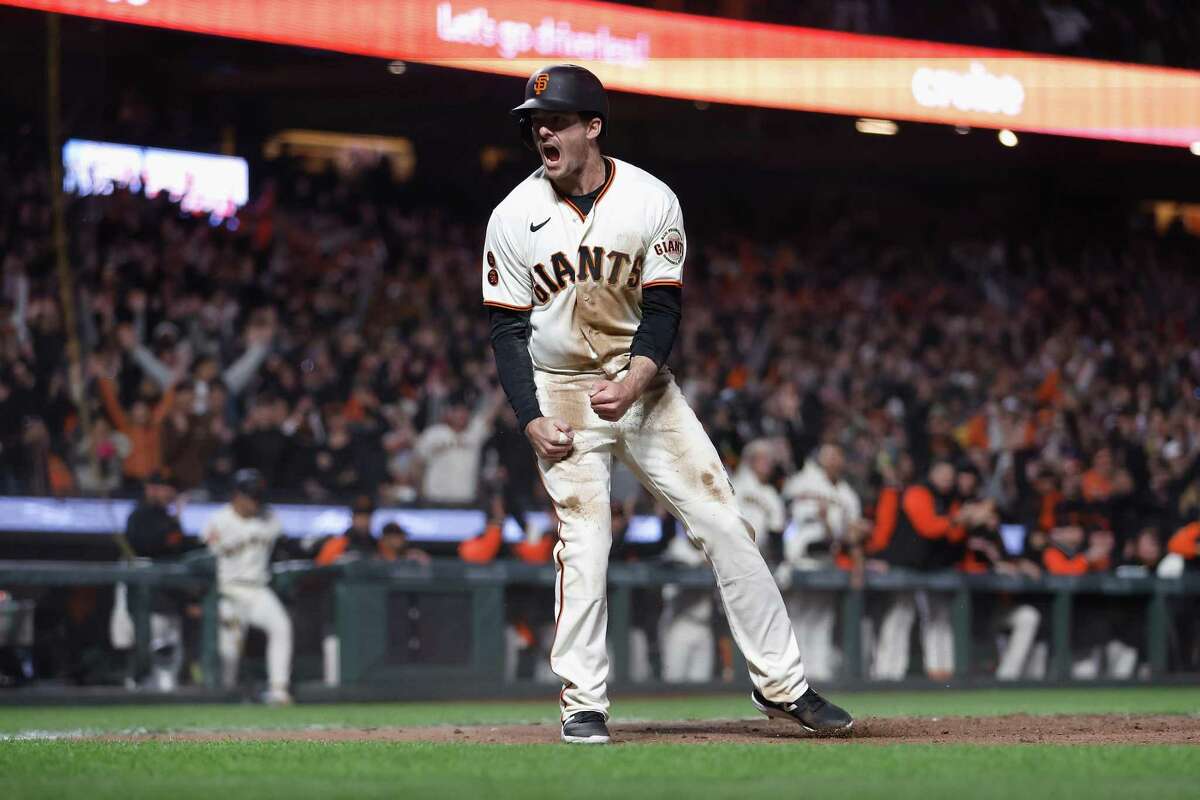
[236,548]
[670,246]
[594,264]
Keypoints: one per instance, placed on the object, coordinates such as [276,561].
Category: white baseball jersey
[807,491]
[760,504]
[582,275]
[451,460]
[242,545]
[581,278]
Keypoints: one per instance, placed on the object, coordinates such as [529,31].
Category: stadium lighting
[1195,148]
[1007,138]
[667,54]
[878,127]
[397,67]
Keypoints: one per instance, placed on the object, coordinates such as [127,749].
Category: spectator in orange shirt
[1098,481]
[142,424]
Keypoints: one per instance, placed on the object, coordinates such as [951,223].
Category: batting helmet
[251,483]
[562,87]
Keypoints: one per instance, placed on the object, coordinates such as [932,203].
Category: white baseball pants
[166,647]
[663,443]
[937,632]
[937,635]
[892,646]
[256,607]
[688,650]
[1022,624]
[813,617]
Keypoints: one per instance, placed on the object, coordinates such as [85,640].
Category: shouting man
[583,277]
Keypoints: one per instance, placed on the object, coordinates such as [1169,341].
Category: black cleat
[813,713]
[585,727]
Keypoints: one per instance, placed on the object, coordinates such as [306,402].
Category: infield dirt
[1012,729]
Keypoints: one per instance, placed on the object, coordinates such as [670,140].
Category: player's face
[245,505]
[832,461]
[762,464]
[396,543]
[165,494]
[562,139]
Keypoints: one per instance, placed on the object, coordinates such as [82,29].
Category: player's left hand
[611,399]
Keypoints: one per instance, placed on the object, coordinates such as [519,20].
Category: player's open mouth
[550,154]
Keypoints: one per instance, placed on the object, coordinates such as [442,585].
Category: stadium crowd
[938,374]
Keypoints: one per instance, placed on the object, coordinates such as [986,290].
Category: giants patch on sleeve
[670,246]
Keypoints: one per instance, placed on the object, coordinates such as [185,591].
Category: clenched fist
[611,399]
[551,438]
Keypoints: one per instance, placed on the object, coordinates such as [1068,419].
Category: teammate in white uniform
[759,500]
[825,509]
[242,534]
[688,642]
[582,271]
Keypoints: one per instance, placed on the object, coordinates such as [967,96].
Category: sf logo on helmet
[540,84]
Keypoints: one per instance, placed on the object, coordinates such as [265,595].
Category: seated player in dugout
[359,542]
[921,528]
[1015,619]
[153,531]
[1073,549]
[356,542]
[582,273]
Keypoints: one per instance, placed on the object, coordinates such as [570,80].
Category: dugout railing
[443,623]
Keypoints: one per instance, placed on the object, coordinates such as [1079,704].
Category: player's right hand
[551,438]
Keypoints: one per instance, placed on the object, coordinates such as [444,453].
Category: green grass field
[33,765]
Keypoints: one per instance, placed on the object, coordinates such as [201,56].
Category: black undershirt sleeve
[662,307]
[510,343]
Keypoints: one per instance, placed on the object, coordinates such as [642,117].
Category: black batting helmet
[562,87]
[251,483]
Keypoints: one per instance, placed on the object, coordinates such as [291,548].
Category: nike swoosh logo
[535,228]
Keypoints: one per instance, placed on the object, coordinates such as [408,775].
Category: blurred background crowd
[933,335]
[329,338]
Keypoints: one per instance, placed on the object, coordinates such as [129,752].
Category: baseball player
[825,510]
[583,274]
[242,534]
[153,531]
[759,500]
[688,641]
